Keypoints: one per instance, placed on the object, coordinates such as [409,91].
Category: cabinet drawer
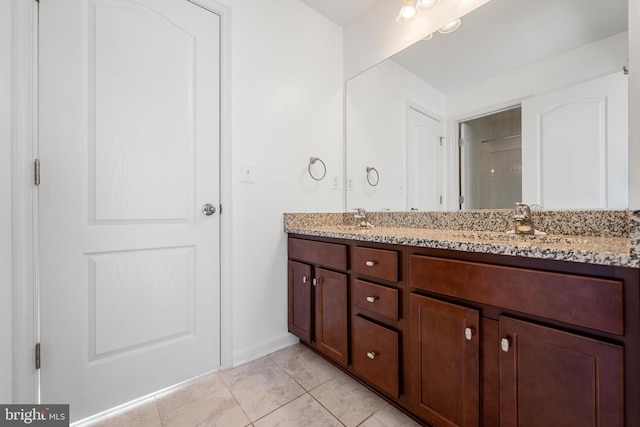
[375,355]
[378,299]
[377,263]
[578,300]
[330,255]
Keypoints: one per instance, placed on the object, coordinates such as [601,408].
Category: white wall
[5,204]
[376,131]
[287,94]
[579,65]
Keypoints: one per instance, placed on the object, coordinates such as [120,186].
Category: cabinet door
[444,362]
[300,300]
[331,314]
[553,378]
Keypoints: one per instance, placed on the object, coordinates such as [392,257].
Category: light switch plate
[335,183]
[349,184]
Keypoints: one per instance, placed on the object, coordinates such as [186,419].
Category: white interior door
[129,147]
[425,160]
[574,146]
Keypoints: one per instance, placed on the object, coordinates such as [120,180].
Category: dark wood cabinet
[318,310]
[551,377]
[444,362]
[300,292]
[464,339]
[331,329]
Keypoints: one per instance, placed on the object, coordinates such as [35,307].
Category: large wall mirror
[525,101]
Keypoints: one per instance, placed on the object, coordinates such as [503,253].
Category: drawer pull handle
[371,355]
[370,263]
[468,333]
[372,299]
[504,344]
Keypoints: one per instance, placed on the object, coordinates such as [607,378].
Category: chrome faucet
[522,221]
[361,217]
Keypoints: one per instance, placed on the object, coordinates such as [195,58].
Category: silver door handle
[208,209]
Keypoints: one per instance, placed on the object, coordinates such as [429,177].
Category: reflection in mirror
[558,61]
[491,158]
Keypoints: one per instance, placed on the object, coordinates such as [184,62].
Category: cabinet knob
[305,279]
[371,355]
[504,344]
[372,298]
[314,281]
[468,333]
[369,263]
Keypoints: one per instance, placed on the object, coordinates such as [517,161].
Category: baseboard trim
[247,354]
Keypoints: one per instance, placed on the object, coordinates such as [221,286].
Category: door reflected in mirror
[491,160]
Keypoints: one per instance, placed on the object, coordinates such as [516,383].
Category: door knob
[208,209]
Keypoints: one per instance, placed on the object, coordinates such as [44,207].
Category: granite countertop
[602,237]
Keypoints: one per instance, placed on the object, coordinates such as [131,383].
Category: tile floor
[290,388]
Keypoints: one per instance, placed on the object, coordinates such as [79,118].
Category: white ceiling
[498,37]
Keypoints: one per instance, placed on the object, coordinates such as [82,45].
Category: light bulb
[407,11]
[426,4]
[450,27]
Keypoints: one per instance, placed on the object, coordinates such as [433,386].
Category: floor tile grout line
[327,409]
[236,399]
[298,382]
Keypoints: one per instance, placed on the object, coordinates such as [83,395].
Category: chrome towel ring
[373,177]
[312,161]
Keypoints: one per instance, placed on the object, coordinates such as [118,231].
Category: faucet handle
[523,210]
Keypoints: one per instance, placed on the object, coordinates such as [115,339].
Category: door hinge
[441,140]
[37,356]
[220,208]
[460,142]
[36,171]
[440,199]
[461,199]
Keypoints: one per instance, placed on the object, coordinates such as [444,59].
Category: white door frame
[25,301]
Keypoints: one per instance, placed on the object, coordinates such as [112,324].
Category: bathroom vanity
[468,326]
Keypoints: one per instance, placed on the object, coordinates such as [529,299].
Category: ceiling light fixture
[408,11]
[426,4]
[450,27]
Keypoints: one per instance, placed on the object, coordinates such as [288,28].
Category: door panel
[425,157]
[129,265]
[300,293]
[142,137]
[577,380]
[574,146]
[445,362]
[331,328]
